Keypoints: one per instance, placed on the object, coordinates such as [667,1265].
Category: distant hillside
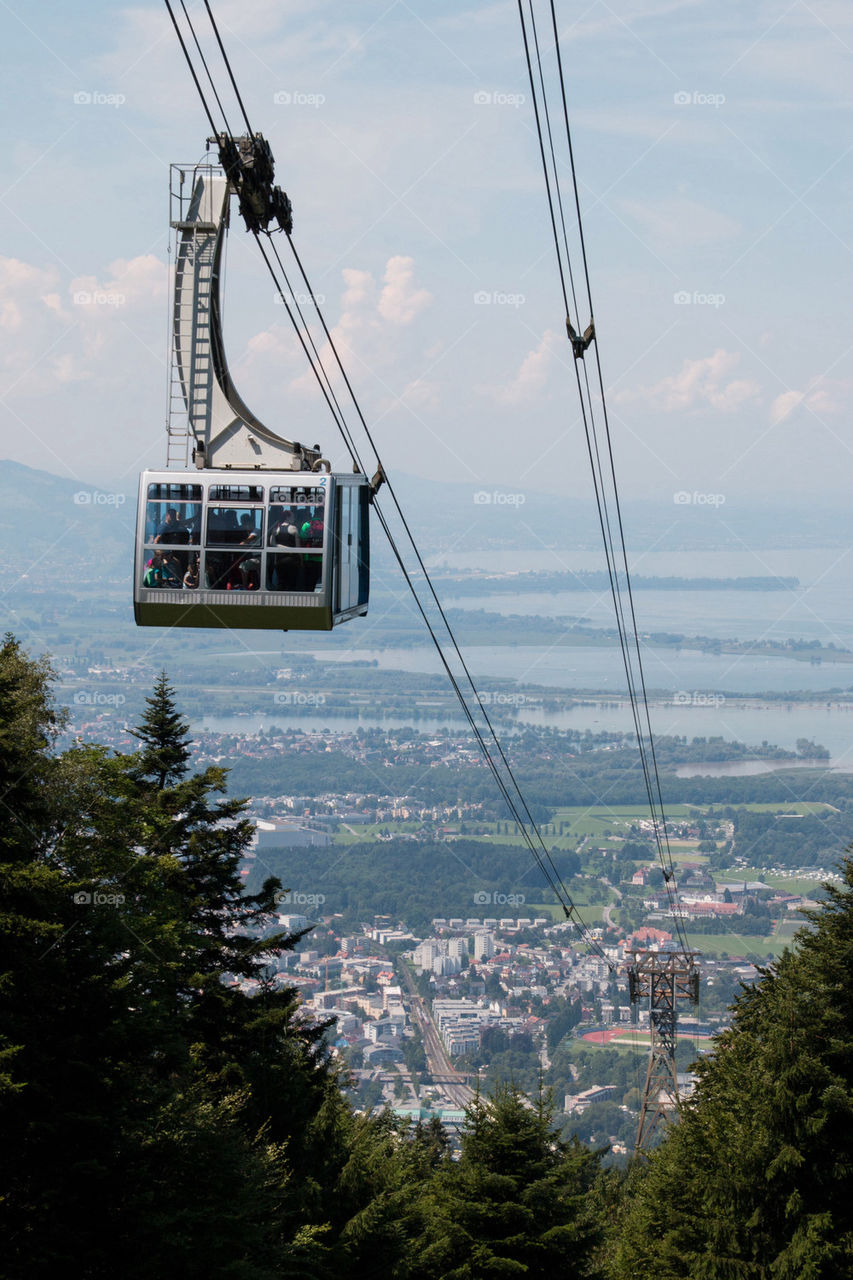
[43,515]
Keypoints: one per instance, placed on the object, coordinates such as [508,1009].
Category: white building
[426,952]
[484,946]
[293,924]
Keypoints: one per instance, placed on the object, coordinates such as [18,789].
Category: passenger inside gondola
[171,529]
[283,530]
[162,570]
[191,576]
[249,566]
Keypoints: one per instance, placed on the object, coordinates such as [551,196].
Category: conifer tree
[165,736]
[60,1015]
[517,1202]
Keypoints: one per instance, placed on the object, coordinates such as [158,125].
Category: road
[609,922]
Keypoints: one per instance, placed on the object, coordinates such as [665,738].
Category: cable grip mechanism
[580,342]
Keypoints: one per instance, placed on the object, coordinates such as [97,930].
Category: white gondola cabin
[251,549]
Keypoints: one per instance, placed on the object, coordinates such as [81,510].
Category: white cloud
[785,404]
[129,282]
[56,333]
[699,383]
[532,374]
[380,342]
[32,325]
[399,302]
[821,398]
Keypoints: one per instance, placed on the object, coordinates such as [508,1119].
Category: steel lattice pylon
[663,978]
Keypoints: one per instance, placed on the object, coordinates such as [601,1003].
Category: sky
[713,146]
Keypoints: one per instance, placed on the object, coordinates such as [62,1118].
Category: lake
[819,609]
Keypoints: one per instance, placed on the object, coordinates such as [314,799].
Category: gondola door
[352,557]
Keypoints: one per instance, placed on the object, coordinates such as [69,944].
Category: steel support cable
[600,492]
[341,422]
[553,880]
[603,518]
[605,415]
[607,535]
[603,513]
[428,580]
[557,188]
[227,65]
[562,895]
[206,67]
[671,892]
[192,69]
[542,153]
[606,419]
[327,392]
[656,807]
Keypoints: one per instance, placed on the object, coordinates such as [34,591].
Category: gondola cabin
[285,551]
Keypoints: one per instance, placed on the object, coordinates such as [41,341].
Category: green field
[753,947]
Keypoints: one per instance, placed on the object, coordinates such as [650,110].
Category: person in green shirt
[159,572]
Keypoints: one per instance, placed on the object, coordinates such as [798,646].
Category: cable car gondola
[253,549]
[260,534]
